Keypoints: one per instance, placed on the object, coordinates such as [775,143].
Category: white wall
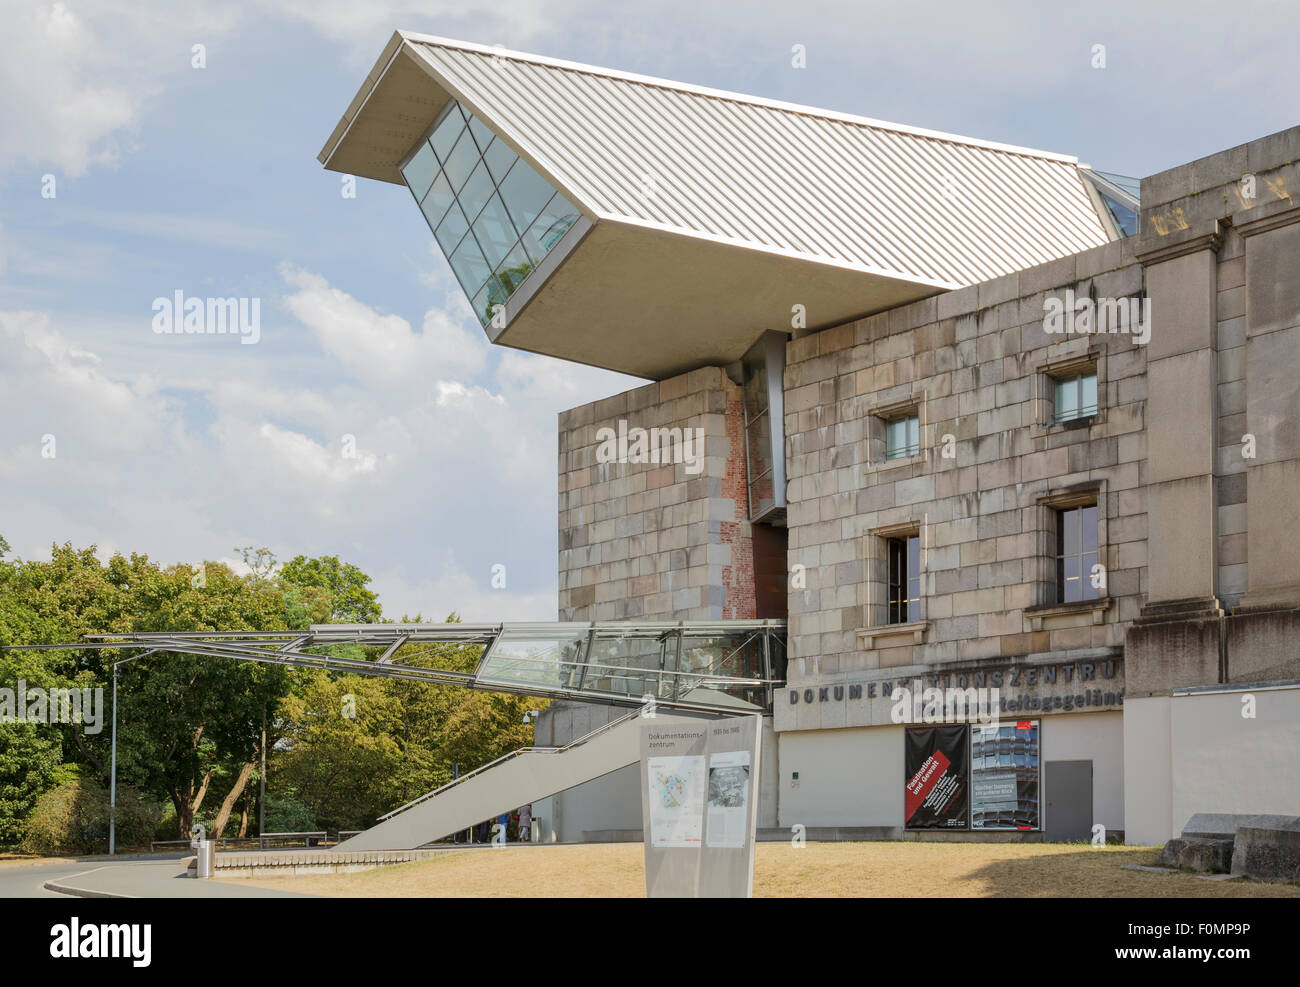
[1095,737]
[1148,772]
[1197,753]
[849,777]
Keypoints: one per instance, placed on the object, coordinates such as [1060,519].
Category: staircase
[519,778]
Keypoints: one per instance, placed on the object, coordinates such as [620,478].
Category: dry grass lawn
[908,870]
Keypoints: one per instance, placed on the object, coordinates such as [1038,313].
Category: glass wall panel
[708,664]
[496,234]
[469,265]
[526,194]
[499,158]
[551,224]
[419,171]
[437,200]
[476,192]
[451,229]
[553,663]
[629,664]
[446,133]
[461,161]
[513,270]
[482,136]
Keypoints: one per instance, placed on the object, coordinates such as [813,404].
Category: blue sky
[206,181]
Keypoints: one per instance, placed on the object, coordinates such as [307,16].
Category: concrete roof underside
[712,215]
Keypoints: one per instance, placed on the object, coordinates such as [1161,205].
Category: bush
[285,814]
[29,758]
[72,819]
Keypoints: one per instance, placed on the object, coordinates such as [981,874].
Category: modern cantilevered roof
[706,217]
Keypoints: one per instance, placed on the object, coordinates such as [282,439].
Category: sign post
[699,798]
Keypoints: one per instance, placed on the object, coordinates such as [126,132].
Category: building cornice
[1159,249]
[1270,216]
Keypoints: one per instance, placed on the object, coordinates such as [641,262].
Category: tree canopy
[342,749]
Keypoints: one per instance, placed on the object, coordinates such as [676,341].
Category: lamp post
[112,784]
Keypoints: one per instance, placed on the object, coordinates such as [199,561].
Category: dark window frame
[903,578]
[1076,530]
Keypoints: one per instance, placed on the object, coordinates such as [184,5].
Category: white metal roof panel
[861,194]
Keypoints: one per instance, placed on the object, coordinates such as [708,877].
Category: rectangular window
[904,579]
[902,436]
[1075,396]
[1076,554]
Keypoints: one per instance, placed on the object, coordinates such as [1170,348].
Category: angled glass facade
[493,215]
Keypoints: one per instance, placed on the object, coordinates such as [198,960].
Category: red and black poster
[937,764]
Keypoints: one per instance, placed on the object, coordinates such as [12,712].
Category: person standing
[526,823]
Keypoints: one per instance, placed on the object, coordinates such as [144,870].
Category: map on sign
[677,788]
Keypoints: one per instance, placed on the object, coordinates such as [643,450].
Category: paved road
[140,878]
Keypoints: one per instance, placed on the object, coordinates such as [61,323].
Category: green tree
[350,601]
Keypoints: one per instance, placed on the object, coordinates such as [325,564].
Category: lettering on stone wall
[1073,686]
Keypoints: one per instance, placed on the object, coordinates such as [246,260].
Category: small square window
[902,436]
[1076,555]
[904,579]
[1075,396]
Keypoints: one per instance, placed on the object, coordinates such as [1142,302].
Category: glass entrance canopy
[494,217]
[733,664]
[721,666]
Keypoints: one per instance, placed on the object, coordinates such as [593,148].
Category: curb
[81,892]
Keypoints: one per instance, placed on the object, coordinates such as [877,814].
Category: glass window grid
[528,248]
[903,436]
[1076,554]
[904,596]
[1075,396]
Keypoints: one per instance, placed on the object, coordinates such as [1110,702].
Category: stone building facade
[661,529]
[1190,465]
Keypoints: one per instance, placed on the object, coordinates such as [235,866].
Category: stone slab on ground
[1267,854]
[1224,825]
[281,863]
[1204,855]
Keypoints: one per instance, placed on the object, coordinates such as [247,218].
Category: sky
[372,420]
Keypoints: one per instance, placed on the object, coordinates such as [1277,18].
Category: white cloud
[75,76]
[53,386]
[455,589]
[382,350]
[454,466]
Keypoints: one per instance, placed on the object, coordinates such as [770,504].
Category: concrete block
[1208,856]
[1169,655]
[1268,854]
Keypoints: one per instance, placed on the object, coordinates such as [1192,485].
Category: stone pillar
[1272,237]
[1176,641]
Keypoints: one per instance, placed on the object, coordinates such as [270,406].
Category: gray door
[1068,789]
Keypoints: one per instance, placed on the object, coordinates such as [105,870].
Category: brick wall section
[739,601]
[640,541]
[974,361]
